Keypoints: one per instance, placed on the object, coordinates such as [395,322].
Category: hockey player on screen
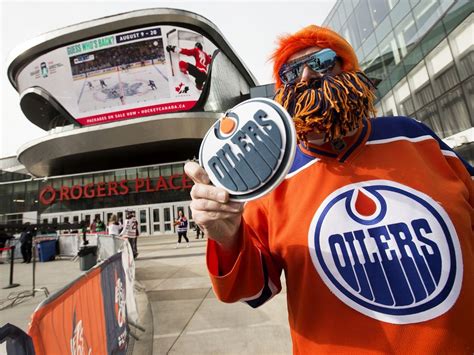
[372,226]
[198,71]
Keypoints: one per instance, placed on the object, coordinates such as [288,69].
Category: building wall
[18,197]
[420,53]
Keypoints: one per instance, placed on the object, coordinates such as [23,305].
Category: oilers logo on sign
[388,251]
[249,151]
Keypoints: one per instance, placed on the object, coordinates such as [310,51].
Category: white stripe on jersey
[400,138]
[297,171]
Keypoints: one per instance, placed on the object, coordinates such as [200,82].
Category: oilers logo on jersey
[388,251]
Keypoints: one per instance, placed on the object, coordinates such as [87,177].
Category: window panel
[406,35]
[178,169]
[430,117]
[120,175]
[460,10]
[98,178]
[400,11]
[154,171]
[440,59]
[418,76]
[110,176]
[383,88]
[397,74]
[389,53]
[384,28]
[445,81]
[426,13]
[413,59]
[469,92]
[373,66]
[369,44]
[423,95]
[334,22]
[166,170]
[352,32]
[389,106]
[131,173]
[403,98]
[378,10]
[142,173]
[453,107]
[461,41]
[87,179]
[364,22]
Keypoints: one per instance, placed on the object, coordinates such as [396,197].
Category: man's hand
[218,218]
[170,48]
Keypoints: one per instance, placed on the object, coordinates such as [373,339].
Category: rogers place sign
[49,194]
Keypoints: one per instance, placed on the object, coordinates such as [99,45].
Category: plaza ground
[177,306]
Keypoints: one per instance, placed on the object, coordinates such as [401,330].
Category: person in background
[114,227]
[4,237]
[372,227]
[100,226]
[83,225]
[182,224]
[198,231]
[130,231]
[26,240]
[93,226]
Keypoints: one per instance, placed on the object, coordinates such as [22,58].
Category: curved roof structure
[72,146]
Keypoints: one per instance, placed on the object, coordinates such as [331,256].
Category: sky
[251,28]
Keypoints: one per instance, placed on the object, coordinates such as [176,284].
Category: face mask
[333,105]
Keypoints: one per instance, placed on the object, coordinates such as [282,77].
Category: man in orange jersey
[373,226]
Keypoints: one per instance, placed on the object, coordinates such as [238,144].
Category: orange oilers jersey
[375,240]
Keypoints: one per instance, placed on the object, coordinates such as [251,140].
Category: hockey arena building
[122,115]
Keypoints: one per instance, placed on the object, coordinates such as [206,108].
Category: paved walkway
[187,317]
[176,304]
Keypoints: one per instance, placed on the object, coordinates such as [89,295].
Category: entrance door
[156,220]
[143,218]
[168,219]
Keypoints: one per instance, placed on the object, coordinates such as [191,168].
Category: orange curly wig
[313,36]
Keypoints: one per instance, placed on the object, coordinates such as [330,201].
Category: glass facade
[141,186]
[420,53]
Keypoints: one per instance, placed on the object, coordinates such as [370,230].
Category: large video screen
[142,72]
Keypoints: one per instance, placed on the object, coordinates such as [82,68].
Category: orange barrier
[86,317]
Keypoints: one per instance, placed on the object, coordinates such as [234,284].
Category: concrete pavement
[187,317]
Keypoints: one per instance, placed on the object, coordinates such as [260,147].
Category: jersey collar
[352,145]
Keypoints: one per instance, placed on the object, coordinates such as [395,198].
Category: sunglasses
[320,62]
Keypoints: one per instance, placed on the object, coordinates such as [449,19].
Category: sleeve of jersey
[249,273]
[461,167]
[185,51]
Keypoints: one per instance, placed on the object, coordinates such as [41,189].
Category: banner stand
[34,289]
[12,261]
[18,297]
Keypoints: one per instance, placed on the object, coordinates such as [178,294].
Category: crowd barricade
[69,244]
[109,245]
[17,251]
[16,242]
[91,314]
